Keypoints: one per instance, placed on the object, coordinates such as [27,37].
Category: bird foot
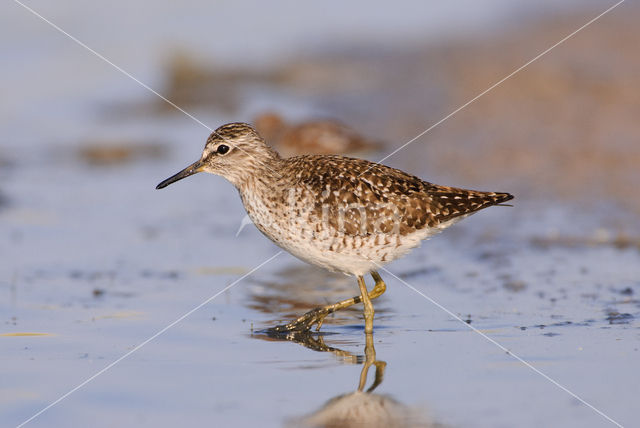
[305,322]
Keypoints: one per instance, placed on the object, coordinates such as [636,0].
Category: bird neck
[262,174]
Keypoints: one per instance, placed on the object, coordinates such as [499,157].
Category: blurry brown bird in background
[322,136]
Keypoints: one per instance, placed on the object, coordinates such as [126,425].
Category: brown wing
[361,198]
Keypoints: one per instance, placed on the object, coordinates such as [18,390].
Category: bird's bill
[194,168]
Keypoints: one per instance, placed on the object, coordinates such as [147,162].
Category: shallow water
[97,266]
[95,291]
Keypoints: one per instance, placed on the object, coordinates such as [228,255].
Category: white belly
[295,231]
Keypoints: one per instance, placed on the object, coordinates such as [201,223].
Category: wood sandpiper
[343,214]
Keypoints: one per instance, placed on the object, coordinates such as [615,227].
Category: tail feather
[503,197]
[453,202]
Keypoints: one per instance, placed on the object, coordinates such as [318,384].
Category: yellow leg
[380,286]
[368,307]
[316,316]
[370,359]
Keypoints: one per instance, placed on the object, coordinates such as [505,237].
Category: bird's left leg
[316,316]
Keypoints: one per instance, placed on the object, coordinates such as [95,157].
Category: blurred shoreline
[562,130]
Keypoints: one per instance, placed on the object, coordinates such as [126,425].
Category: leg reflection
[370,360]
[362,407]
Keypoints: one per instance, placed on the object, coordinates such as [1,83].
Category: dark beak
[194,168]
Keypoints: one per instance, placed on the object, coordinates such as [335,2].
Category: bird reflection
[362,407]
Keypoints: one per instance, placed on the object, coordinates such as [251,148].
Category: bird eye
[222,149]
